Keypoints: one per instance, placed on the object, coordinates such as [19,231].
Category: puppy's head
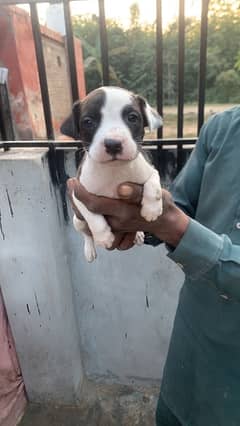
[110,122]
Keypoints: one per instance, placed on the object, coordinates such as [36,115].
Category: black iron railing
[159,150]
[6,124]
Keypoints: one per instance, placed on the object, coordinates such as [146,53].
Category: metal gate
[159,145]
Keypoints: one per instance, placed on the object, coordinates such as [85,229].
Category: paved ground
[100,405]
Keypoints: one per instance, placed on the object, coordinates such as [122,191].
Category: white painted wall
[118,310]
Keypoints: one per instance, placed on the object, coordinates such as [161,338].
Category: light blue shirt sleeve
[202,253]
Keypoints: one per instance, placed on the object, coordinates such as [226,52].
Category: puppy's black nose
[113,146]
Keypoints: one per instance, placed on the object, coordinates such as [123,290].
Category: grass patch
[190,119]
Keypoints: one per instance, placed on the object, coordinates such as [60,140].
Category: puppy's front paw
[104,239]
[151,210]
[139,238]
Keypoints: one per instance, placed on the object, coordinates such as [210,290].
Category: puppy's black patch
[133,117]
[85,118]
[91,116]
[70,126]
[142,105]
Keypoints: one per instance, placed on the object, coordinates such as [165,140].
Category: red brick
[17,53]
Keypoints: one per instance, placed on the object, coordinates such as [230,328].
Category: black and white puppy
[110,122]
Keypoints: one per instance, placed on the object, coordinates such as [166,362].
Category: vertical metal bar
[203,63]
[181,52]
[159,154]
[6,124]
[159,63]
[71,51]
[180,152]
[41,70]
[104,42]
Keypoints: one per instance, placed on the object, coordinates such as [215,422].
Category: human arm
[202,252]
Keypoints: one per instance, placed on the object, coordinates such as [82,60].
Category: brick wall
[57,76]
[17,53]
[10,60]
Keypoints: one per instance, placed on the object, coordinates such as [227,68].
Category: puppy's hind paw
[139,238]
[104,239]
[89,249]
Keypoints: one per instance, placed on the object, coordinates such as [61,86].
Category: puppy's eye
[88,122]
[132,117]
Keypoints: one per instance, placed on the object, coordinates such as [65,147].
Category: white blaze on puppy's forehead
[116,100]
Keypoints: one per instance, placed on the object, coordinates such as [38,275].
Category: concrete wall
[35,279]
[118,310]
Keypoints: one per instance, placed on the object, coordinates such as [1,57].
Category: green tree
[134,15]
[132,54]
[223,48]
[228,86]
[88,31]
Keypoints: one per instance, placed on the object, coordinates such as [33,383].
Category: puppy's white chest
[104,178]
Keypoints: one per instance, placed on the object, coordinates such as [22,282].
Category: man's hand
[124,216]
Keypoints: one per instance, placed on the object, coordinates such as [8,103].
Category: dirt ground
[99,405]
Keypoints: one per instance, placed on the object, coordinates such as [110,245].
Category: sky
[120,9]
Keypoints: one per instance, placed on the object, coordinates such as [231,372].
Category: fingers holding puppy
[131,193]
[123,240]
[102,205]
[124,214]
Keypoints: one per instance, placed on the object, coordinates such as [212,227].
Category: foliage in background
[133,60]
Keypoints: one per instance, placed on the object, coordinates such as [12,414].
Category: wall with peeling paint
[113,317]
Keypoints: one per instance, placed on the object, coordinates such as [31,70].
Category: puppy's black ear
[151,118]
[71,126]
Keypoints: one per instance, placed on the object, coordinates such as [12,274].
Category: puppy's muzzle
[113,146]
